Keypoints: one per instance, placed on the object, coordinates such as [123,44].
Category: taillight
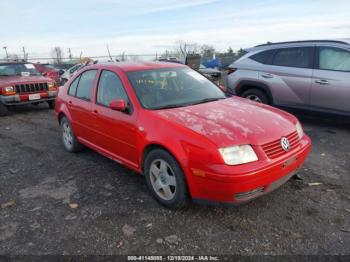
[231,70]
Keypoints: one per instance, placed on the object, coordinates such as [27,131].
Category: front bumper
[21,99]
[239,184]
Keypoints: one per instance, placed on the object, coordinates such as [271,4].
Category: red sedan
[181,132]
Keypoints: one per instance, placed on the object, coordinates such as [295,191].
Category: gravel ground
[54,202]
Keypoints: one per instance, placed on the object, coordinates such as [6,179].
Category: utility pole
[7,55]
[109,53]
[70,54]
[24,54]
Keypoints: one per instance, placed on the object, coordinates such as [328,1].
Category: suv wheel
[51,104]
[69,140]
[255,95]
[3,110]
[165,179]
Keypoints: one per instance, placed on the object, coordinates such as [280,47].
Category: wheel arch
[249,84]
[152,146]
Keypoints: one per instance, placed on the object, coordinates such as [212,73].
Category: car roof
[333,42]
[136,66]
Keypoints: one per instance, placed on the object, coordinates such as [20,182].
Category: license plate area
[290,161]
[34,97]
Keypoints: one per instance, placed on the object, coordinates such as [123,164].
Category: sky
[152,26]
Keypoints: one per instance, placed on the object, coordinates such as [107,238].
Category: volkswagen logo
[285,143]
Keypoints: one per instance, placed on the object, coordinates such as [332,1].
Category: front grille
[274,148]
[31,88]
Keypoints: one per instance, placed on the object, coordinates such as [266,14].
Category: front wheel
[256,95]
[51,104]
[3,110]
[165,179]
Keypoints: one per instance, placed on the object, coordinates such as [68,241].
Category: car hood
[15,80]
[233,121]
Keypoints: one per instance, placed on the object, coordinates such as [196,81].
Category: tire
[163,171]
[51,104]
[70,142]
[256,95]
[3,110]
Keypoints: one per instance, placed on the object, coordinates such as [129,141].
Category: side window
[73,87]
[301,57]
[332,58]
[110,88]
[263,57]
[85,84]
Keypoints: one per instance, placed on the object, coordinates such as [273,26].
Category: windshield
[173,87]
[18,70]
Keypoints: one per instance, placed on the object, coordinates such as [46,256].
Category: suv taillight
[231,70]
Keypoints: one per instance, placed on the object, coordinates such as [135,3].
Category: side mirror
[118,105]
[61,72]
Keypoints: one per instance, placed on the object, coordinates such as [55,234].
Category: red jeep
[21,83]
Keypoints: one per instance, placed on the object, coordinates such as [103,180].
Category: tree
[207,50]
[230,51]
[241,52]
[57,55]
[183,48]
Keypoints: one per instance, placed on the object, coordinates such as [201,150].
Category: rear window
[263,57]
[300,57]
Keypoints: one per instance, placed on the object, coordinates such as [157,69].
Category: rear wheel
[165,179]
[51,104]
[3,110]
[256,95]
[70,142]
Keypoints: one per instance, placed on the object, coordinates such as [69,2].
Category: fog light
[249,194]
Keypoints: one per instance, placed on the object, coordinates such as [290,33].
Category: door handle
[95,111]
[70,102]
[267,75]
[322,82]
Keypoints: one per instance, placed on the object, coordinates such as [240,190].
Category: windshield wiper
[4,75]
[167,106]
[206,100]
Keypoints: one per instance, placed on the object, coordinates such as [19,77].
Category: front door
[331,80]
[116,130]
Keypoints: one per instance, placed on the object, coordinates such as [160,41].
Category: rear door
[288,74]
[79,104]
[331,80]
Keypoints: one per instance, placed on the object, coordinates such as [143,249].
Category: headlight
[8,89]
[51,86]
[236,155]
[300,130]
